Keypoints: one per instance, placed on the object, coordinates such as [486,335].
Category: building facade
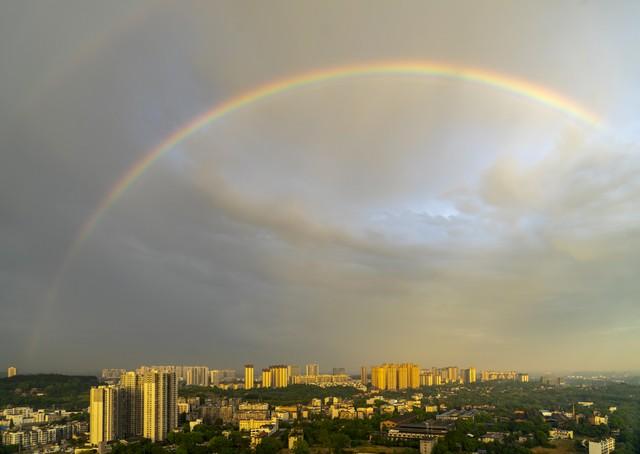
[248,376]
[395,376]
[312,369]
[160,411]
[103,414]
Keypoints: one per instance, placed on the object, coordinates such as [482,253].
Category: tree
[301,447]
[269,445]
[339,442]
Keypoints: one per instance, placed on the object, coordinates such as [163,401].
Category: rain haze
[370,216]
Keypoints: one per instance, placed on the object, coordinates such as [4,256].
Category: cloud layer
[359,221]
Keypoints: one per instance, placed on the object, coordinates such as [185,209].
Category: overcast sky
[380,218]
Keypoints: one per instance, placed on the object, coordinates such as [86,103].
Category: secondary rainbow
[502,82]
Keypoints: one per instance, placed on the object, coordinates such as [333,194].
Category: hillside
[69,392]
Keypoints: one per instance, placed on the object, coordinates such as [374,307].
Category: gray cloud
[356,221]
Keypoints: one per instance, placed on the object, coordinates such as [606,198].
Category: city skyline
[286,183]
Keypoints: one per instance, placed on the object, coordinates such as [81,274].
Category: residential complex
[395,376]
[312,369]
[142,404]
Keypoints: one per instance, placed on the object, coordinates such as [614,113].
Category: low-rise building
[606,446]
[560,434]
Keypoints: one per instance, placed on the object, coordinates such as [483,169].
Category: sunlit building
[103,414]
[160,413]
[12,372]
[395,376]
[469,375]
[196,375]
[248,376]
[280,376]
[266,378]
[606,446]
[426,378]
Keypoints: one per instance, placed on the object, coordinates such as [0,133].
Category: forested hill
[70,392]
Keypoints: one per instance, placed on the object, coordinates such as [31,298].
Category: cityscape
[319,227]
[390,407]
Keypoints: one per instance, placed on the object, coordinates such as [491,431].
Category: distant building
[597,419]
[12,372]
[280,376]
[295,436]
[426,378]
[312,369]
[395,376]
[196,375]
[266,378]
[491,375]
[111,375]
[469,375]
[294,371]
[320,379]
[339,371]
[363,375]
[492,437]
[427,445]
[606,446]
[523,378]
[248,376]
[560,434]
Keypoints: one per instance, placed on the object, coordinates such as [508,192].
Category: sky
[382,218]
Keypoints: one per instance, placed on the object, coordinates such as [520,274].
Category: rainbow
[509,84]
[479,76]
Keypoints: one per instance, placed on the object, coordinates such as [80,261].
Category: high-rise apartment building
[294,371]
[426,378]
[131,404]
[160,411]
[196,375]
[266,378]
[452,374]
[392,376]
[472,375]
[312,369]
[103,414]
[395,376]
[280,376]
[248,376]
[363,375]
[11,372]
[379,377]
[469,375]
[338,371]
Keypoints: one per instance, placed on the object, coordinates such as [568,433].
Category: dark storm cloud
[354,222]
